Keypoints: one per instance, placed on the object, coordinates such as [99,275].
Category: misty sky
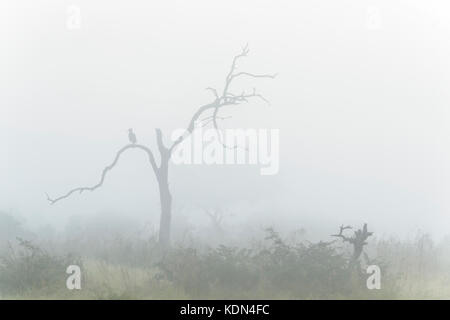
[362,112]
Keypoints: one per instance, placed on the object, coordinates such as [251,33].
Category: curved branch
[107,169]
[191,125]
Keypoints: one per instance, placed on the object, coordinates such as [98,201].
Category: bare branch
[191,125]
[243,97]
[106,170]
[220,118]
[219,135]
[229,77]
[341,235]
[214,91]
[227,98]
[209,120]
[234,76]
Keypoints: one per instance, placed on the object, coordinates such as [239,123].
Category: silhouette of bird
[132,136]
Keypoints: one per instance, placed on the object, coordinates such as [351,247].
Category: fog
[361,107]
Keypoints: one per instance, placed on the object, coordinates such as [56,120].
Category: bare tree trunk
[166,203]
[162,175]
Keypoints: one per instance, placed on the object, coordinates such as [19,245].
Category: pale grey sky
[362,112]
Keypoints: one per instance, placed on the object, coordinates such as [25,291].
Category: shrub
[26,267]
[296,270]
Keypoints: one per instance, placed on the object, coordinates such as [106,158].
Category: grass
[273,268]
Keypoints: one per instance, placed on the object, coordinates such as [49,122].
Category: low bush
[26,267]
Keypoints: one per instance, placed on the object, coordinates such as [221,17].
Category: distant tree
[207,114]
[216,217]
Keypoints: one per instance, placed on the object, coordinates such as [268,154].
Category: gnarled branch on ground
[358,240]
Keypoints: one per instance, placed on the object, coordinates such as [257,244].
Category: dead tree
[216,217]
[358,240]
[207,114]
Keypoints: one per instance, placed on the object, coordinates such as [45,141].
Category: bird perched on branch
[132,136]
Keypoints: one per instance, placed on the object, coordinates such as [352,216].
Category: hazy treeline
[123,260]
